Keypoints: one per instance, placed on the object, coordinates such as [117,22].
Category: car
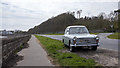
[79,36]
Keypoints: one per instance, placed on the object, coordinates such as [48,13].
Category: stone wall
[11,45]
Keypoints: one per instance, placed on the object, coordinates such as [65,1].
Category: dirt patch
[14,60]
[103,57]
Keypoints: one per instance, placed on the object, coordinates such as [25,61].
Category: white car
[78,36]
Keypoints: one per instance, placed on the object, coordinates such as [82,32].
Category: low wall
[10,45]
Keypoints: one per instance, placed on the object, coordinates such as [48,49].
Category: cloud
[14,17]
[11,11]
[119,4]
[21,24]
[24,14]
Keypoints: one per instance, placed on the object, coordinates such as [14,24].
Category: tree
[117,24]
[73,13]
[102,15]
[79,13]
[112,16]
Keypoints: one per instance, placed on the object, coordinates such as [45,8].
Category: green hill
[55,24]
[60,22]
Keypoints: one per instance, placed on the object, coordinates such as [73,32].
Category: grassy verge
[56,34]
[94,33]
[64,59]
[114,36]
[63,34]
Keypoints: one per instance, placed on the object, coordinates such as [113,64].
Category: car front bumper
[84,45]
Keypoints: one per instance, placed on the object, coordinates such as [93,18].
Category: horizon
[23,17]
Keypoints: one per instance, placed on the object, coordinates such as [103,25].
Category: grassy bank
[55,34]
[114,36]
[53,48]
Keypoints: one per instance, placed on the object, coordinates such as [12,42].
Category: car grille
[81,41]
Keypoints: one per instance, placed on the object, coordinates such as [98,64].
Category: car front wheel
[71,48]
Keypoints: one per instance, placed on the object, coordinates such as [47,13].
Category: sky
[26,14]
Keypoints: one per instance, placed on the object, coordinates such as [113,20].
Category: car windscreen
[78,30]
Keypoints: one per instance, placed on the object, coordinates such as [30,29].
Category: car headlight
[74,40]
[97,39]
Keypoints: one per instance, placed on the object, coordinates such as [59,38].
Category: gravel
[103,57]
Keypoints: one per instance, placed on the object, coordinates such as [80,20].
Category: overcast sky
[25,14]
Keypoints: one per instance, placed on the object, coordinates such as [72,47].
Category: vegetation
[54,24]
[114,36]
[55,34]
[53,48]
[19,49]
[57,24]
[94,33]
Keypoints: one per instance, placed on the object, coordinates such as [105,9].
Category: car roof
[75,26]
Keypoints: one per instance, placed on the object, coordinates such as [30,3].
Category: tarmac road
[108,43]
[105,42]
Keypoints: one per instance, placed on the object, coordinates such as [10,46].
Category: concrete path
[34,55]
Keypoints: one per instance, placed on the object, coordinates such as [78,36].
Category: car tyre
[63,40]
[94,48]
[72,49]
[65,45]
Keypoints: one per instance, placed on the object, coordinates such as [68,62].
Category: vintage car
[78,36]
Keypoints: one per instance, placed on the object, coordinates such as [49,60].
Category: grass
[94,33]
[63,59]
[114,36]
[63,34]
[55,34]
[19,49]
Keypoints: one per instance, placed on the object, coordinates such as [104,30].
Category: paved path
[105,42]
[34,55]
